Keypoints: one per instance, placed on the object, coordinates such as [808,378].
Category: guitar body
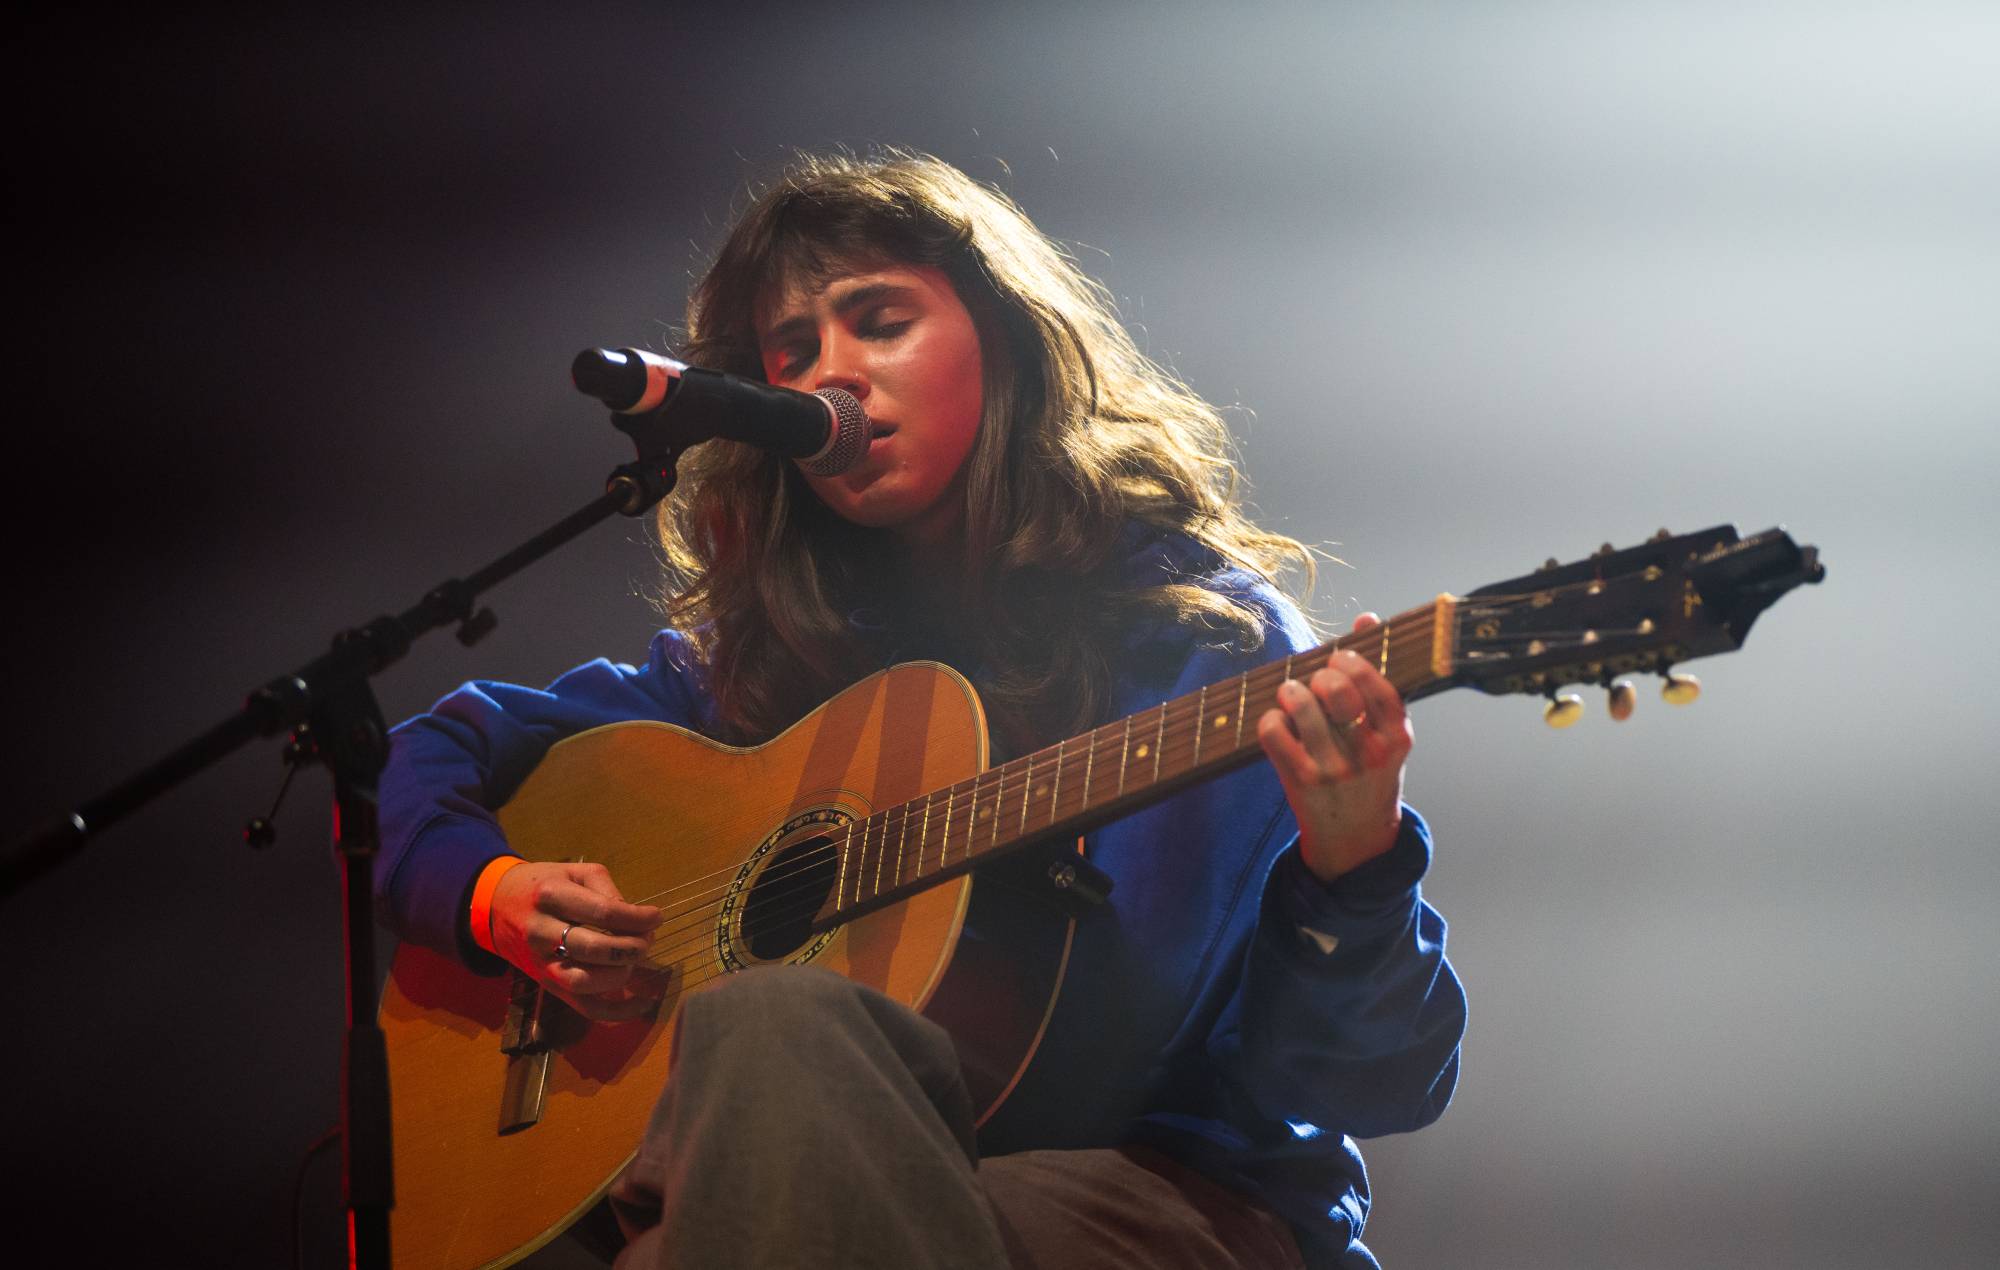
[496,1153]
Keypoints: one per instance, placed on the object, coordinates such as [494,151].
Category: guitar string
[1578,636]
[1011,785]
[711,969]
[697,939]
[700,932]
[1402,635]
[1519,597]
[829,852]
[787,894]
[813,895]
[1404,639]
[1001,792]
[808,897]
[1014,778]
[982,790]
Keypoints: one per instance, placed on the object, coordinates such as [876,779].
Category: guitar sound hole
[777,916]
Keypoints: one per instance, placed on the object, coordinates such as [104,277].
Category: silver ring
[562,942]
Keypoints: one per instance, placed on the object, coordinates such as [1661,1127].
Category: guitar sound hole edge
[785,896]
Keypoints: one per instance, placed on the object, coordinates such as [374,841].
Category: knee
[776,1006]
[771,994]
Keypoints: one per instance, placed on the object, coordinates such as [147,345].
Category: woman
[1046,510]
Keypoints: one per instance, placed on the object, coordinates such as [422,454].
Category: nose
[842,363]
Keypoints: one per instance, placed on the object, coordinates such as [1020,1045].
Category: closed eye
[865,314]
[791,360]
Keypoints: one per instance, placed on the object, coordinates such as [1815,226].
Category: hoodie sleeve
[1346,1017]
[451,768]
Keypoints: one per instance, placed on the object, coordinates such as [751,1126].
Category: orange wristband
[481,913]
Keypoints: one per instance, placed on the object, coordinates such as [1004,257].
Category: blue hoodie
[1223,1005]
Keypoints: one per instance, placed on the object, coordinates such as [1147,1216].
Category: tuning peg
[1562,711]
[1623,697]
[1680,690]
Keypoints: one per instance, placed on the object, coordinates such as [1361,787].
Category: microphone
[827,431]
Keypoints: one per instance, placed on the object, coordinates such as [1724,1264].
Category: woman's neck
[930,554]
[923,579]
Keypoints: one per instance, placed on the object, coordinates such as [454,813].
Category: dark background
[1482,283]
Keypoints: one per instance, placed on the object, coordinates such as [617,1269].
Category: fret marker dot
[1140,752]
[1221,720]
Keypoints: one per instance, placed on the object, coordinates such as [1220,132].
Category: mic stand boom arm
[289,700]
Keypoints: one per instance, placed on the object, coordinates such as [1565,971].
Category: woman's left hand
[1339,741]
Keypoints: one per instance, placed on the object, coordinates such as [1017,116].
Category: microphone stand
[331,710]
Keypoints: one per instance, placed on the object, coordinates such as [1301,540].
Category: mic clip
[650,477]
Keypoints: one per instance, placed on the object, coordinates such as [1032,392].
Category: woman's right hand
[542,906]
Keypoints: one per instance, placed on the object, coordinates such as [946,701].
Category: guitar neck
[1070,787]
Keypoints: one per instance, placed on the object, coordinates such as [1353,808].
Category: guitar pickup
[525,1090]
[1061,877]
[537,1025]
[522,1032]
[526,1048]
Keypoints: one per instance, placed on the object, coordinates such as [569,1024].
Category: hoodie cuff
[432,892]
[1364,901]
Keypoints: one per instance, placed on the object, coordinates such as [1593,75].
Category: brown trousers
[812,1122]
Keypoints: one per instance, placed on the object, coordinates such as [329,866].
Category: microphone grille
[850,437]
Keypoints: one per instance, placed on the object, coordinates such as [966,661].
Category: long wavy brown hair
[1081,435]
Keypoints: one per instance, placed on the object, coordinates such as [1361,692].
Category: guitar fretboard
[1070,787]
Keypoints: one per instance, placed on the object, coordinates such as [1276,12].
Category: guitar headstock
[1644,609]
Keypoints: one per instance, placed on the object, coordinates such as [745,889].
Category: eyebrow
[859,297]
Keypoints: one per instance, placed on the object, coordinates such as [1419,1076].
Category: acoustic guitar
[858,839]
